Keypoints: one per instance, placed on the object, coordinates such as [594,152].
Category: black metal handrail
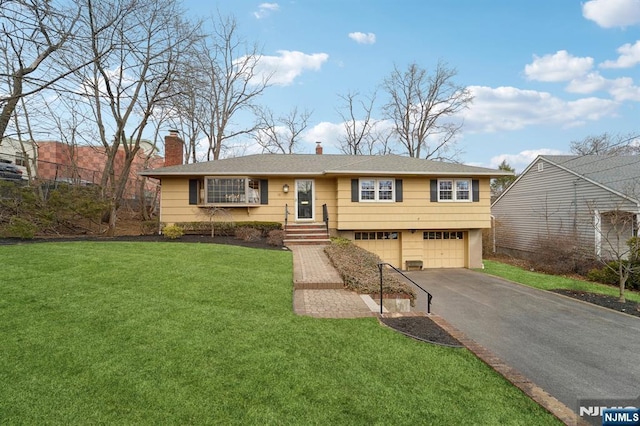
[286,215]
[325,216]
[429,296]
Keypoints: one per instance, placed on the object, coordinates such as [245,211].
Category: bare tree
[137,46]
[230,83]
[422,107]
[34,33]
[607,144]
[361,131]
[281,134]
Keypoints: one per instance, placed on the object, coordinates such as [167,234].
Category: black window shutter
[264,191]
[193,191]
[434,190]
[398,190]
[355,186]
[475,189]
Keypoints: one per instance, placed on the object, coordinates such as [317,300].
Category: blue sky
[543,73]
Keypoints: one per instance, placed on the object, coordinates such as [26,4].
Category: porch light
[285,188]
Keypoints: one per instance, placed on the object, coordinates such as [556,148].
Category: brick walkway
[318,288]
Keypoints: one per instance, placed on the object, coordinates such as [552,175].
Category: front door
[304,199]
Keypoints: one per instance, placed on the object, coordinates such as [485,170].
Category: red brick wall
[55,162]
[173,149]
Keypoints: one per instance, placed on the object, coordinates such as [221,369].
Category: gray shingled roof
[619,173]
[319,165]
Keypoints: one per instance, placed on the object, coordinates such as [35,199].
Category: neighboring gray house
[592,201]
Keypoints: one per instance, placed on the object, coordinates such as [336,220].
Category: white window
[377,190]
[238,190]
[454,190]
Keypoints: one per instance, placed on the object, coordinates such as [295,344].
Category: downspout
[493,233]
[598,235]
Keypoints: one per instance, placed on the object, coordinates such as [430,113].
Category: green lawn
[550,282]
[172,333]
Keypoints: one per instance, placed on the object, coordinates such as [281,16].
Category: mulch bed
[610,302]
[422,328]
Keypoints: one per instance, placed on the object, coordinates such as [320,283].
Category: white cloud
[363,38]
[621,89]
[510,108]
[612,13]
[522,159]
[327,133]
[287,66]
[265,9]
[560,66]
[629,57]
[592,82]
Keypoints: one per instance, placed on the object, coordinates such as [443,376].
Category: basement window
[443,235]
[376,235]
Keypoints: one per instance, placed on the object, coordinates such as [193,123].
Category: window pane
[385,189]
[462,190]
[358,236]
[445,190]
[367,189]
[225,190]
[254,191]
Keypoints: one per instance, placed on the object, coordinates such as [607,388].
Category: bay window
[232,190]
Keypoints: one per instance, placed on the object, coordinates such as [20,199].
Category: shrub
[608,275]
[246,233]
[560,255]
[173,231]
[359,270]
[149,227]
[227,228]
[275,238]
[19,228]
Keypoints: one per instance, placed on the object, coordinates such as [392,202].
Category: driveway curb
[539,395]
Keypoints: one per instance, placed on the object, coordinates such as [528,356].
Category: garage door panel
[385,244]
[444,249]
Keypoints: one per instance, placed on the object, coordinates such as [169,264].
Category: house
[406,210]
[591,201]
[22,154]
[84,164]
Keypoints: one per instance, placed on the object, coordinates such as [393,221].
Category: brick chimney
[173,149]
[318,148]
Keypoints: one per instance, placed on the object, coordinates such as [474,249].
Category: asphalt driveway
[571,349]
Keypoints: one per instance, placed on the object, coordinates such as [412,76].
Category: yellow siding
[415,211]
[174,202]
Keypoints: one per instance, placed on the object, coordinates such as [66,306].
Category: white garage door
[444,249]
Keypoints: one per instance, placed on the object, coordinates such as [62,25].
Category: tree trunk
[622,281]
